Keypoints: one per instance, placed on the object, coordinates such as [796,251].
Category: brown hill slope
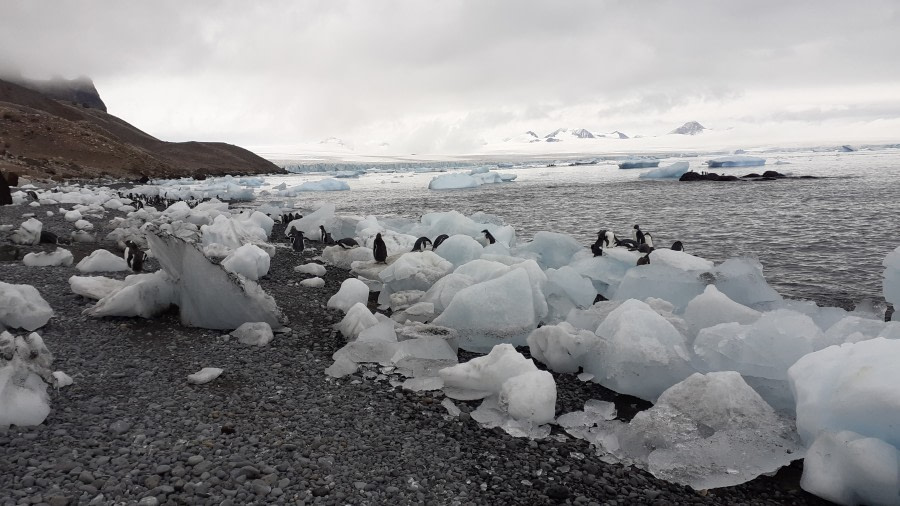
[47,138]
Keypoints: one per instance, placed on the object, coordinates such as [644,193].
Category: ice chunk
[639,353]
[21,306]
[459,249]
[102,260]
[415,271]
[712,307]
[342,366]
[530,396]
[423,356]
[851,329]
[227,234]
[28,232]
[424,383]
[204,375]
[741,279]
[94,287]
[377,343]
[453,181]
[673,171]
[765,348]
[206,294]
[495,311]
[567,289]
[60,256]
[736,161]
[73,215]
[313,282]
[661,281]
[352,291]
[249,261]
[24,375]
[892,281]
[61,379]
[311,268]
[451,407]
[144,295]
[310,223]
[849,387]
[550,249]
[847,468]
[357,319]
[607,271]
[710,431]
[679,260]
[254,333]
[443,290]
[344,258]
[562,347]
[84,225]
[415,330]
[488,373]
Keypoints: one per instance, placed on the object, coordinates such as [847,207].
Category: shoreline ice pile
[710,344]
[473,179]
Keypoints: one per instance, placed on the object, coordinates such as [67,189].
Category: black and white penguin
[644,260]
[645,249]
[379,249]
[438,240]
[628,243]
[597,247]
[134,257]
[677,246]
[637,235]
[347,243]
[648,239]
[606,238]
[297,239]
[420,243]
[488,236]
[33,195]
[326,236]
[323,233]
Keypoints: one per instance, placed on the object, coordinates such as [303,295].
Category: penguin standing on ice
[606,238]
[134,257]
[597,247]
[379,249]
[297,239]
[326,236]
[420,243]
[678,246]
[488,236]
[438,240]
[347,243]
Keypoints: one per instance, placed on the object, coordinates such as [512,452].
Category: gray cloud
[443,74]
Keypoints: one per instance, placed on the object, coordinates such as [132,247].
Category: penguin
[648,239]
[645,249]
[134,257]
[33,195]
[296,238]
[326,237]
[677,246]
[606,238]
[420,243]
[379,249]
[628,243]
[644,260]
[488,236]
[637,235]
[49,237]
[597,247]
[438,240]
[347,243]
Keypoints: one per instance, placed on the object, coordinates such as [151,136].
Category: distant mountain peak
[553,134]
[532,134]
[689,128]
[581,133]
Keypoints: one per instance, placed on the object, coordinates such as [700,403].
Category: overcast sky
[447,76]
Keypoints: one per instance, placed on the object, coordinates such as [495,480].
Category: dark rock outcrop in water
[769,175]
[48,137]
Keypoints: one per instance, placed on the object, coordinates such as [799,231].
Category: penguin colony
[641,242]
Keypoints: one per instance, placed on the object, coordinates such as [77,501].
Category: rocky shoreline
[274,428]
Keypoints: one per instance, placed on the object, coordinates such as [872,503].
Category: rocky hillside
[64,133]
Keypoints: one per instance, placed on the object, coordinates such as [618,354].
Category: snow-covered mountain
[689,128]
[563,134]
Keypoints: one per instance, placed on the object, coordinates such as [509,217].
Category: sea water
[819,239]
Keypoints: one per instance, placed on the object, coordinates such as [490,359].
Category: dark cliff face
[49,135]
[79,91]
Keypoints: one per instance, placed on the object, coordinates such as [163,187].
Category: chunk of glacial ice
[529,397]
[311,268]
[639,353]
[488,373]
[710,431]
[102,260]
[24,375]
[423,356]
[60,256]
[254,333]
[849,387]
[204,375]
[550,250]
[249,260]
[357,319]
[492,312]
[561,347]
[847,468]
[713,307]
[94,287]
[21,306]
[352,292]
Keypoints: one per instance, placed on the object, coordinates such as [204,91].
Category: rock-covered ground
[273,428]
